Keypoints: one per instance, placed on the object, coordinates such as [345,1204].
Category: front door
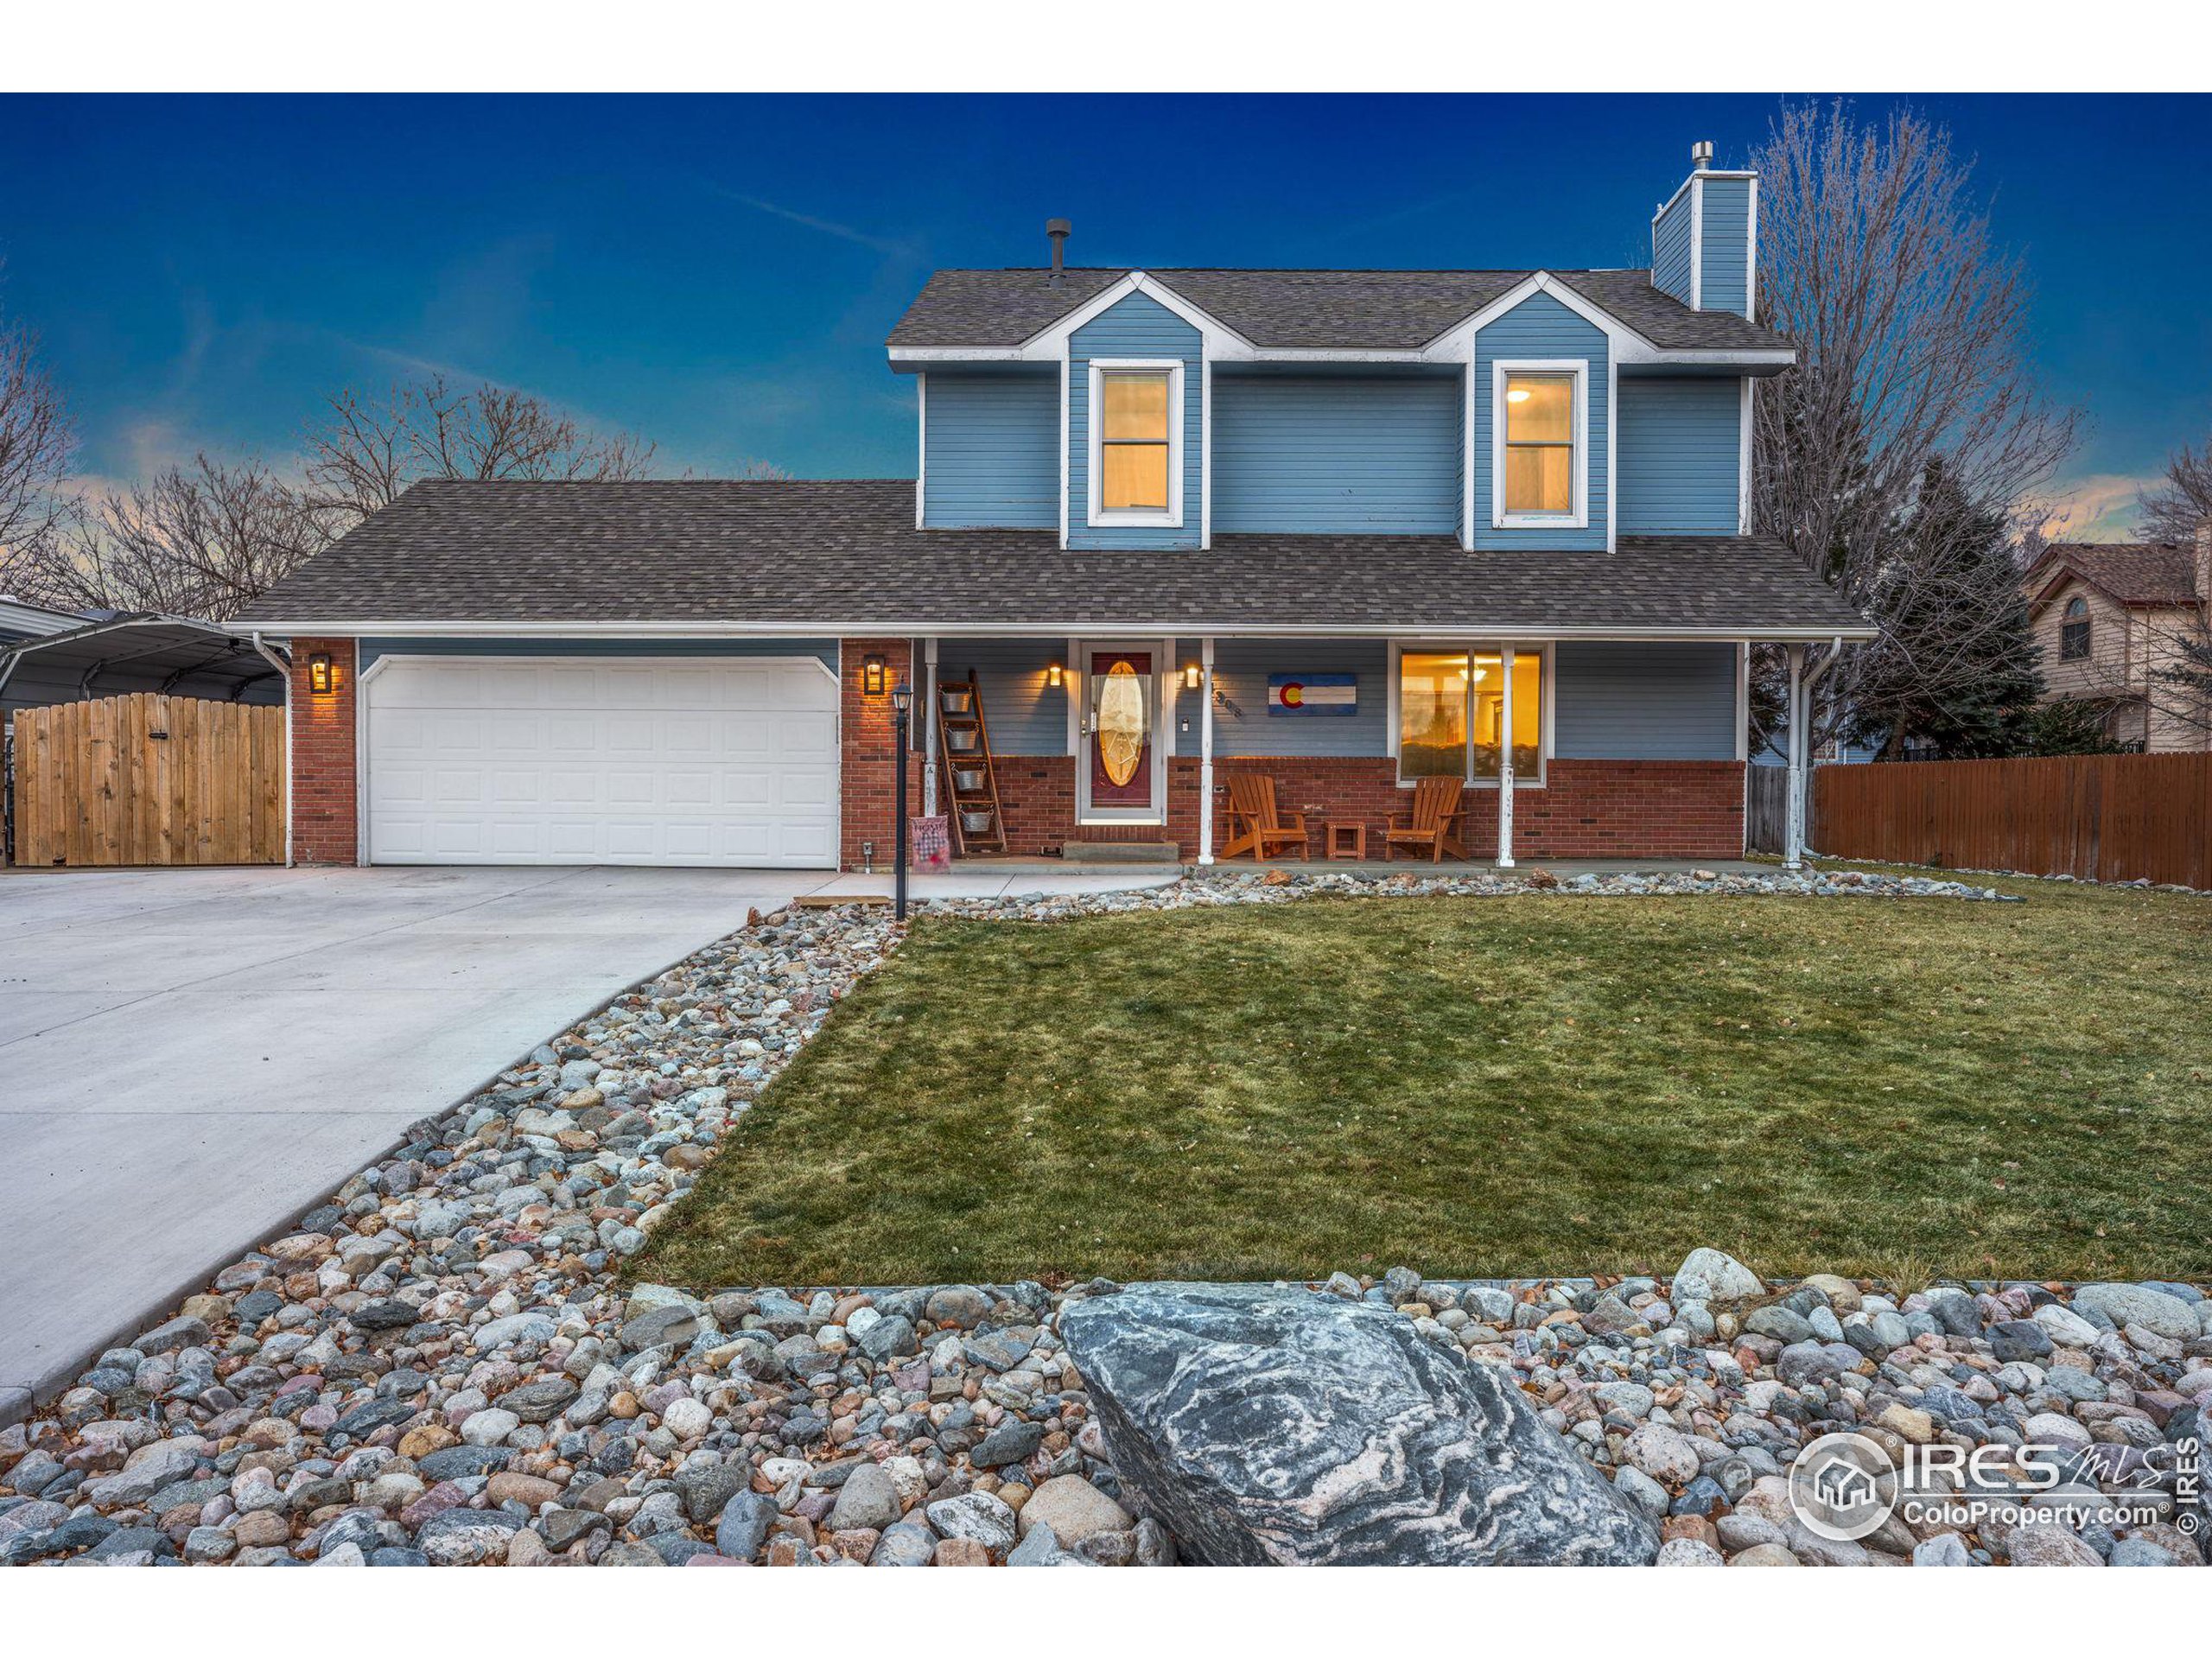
[1119,776]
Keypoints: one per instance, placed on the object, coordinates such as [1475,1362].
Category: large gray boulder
[1263,1426]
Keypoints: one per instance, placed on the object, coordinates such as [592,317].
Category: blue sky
[718,273]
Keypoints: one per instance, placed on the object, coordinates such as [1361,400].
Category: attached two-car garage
[577,759]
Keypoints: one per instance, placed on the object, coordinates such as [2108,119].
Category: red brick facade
[865,734]
[1587,809]
[324,798]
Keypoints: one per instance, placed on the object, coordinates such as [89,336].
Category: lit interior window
[1540,444]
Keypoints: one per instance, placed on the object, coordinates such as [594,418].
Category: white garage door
[602,760]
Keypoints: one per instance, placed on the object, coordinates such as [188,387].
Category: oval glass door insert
[1121,722]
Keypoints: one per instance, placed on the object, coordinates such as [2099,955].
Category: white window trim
[1094,442]
[1579,369]
[1541,649]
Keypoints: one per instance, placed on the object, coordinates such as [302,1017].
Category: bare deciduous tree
[367,454]
[1876,257]
[36,443]
[2173,509]
[199,540]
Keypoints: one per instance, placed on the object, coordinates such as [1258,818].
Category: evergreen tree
[1959,675]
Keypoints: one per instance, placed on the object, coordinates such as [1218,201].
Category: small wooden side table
[1344,837]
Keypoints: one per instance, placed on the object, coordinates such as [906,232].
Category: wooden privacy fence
[2106,817]
[149,779]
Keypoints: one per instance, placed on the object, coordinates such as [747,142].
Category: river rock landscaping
[448,1362]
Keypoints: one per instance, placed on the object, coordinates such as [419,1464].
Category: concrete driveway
[190,1059]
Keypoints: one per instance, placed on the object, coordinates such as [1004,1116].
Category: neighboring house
[1345,528]
[134,651]
[2110,616]
[19,621]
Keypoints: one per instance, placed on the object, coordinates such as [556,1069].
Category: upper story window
[1136,444]
[2074,630]
[1540,449]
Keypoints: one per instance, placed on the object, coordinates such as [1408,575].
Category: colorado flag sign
[1313,693]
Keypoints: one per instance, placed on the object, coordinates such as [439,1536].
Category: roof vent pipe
[1058,229]
[1701,155]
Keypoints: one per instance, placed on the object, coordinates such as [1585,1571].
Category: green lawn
[1493,1087]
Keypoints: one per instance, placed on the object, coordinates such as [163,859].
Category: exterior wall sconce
[1054,676]
[872,675]
[320,677]
[1191,676]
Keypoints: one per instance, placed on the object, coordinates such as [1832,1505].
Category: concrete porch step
[1119,852]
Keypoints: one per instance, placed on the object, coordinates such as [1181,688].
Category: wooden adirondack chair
[1436,808]
[1255,825]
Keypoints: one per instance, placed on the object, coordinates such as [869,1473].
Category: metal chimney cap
[1059,228]
[1701,153]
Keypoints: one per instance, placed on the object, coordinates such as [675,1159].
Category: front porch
[1046,747]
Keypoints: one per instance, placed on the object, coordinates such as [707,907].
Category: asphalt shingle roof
[1371,310]
[2134,573]
[845,557]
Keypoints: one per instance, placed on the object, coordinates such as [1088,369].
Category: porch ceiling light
[318,673]
[872,675]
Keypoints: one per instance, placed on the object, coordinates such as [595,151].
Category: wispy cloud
[2101,507]
[892,246]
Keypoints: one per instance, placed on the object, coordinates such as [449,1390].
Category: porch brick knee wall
[325,801]
[1588,809]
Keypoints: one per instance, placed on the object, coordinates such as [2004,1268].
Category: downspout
[929,726]
[284,666]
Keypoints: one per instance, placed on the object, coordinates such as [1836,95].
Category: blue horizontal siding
[1336,455]
[1540,326]
[1725,265]
[992,451]
[824,650]
[1021,714]
[1621,702]
[1680,451]
[1670,249]
[1240,668]
[1135,326]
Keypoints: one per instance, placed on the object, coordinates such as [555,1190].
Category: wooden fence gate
[2106,817]
[1766,807]
[148,779]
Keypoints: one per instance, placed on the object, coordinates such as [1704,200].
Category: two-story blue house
[1349,529]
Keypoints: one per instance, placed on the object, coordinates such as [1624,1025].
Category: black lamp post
[902,700]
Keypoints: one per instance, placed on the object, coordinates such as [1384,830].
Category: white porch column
[1206,750]
[1793,834]
[1505,760]
[929,725]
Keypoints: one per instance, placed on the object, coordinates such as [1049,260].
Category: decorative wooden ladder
[960,711]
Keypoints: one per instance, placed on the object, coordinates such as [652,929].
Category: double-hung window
[1136,445]
[2074,631]
[1451,720]
[1540,422]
